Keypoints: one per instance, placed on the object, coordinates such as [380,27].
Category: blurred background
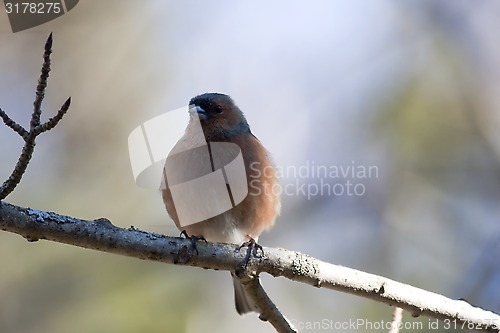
[407,89]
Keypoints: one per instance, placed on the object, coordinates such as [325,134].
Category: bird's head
[219,116]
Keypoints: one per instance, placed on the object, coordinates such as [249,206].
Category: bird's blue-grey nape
[209,97]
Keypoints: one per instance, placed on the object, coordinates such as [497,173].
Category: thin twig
[42,84]
[397,319]
[35,126]
[12,124]
[52,122]
[269,311]
[15,177]
[103,236]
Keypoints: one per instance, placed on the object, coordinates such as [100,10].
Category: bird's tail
[243,303]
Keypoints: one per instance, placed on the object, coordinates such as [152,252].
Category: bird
[222,121]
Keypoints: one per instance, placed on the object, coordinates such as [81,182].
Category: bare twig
[397,319]
[269,311]
[103,236]
[36,127]
[42,84]
[15,177]
[52,122]
[12,124]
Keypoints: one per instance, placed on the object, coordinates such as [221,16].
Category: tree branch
[269,311]
[36,127]
[42,84]
[12,124]
[101,235]
[397,320]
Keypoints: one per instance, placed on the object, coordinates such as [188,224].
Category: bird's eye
[218,109]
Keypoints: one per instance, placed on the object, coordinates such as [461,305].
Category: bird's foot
[252,250]
[193,239]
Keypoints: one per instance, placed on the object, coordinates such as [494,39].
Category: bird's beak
[198,111]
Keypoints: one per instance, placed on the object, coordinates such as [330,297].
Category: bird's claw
[193,239]
[253,250]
